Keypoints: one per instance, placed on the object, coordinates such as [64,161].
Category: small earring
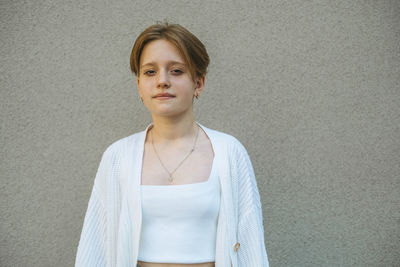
[196,95]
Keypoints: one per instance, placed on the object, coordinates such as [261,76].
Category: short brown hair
[191,48]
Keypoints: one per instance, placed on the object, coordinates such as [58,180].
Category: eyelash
[148,72]
[175,72]
[178,71]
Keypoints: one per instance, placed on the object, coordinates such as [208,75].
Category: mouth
[164,96]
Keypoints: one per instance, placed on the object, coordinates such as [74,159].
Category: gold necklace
[171,179]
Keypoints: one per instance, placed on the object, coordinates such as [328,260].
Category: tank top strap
[213,174]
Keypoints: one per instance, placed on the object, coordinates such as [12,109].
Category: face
[164,71]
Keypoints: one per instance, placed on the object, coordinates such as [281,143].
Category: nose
[163,79]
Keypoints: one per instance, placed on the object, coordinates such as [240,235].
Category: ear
[199,84]
[138,85]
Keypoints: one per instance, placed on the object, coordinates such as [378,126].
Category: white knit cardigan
[111,228]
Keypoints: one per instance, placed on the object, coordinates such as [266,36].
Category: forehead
[160,51]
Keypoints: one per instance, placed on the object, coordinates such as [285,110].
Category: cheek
[186,84]
[145,84]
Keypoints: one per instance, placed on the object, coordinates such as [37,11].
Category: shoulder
[232,144]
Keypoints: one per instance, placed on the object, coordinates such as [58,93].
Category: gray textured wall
[311,88]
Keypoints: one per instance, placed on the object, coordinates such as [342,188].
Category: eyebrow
[169,63]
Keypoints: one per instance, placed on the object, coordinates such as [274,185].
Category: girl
[178,193]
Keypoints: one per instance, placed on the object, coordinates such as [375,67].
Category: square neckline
[210,177]
[197,184]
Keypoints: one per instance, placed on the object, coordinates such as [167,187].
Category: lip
[162,96]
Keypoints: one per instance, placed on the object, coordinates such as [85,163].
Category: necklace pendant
[170,179]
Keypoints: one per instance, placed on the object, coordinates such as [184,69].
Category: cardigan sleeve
[252,251]
[92,244]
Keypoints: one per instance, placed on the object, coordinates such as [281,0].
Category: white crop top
[179,222]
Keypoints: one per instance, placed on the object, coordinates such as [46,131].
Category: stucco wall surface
[311,88]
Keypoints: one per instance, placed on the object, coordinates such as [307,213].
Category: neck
[173,130]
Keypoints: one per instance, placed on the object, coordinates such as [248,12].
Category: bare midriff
[152,264]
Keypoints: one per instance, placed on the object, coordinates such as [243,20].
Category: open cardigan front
[111,229]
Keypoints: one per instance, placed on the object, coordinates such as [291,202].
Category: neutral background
[311,88]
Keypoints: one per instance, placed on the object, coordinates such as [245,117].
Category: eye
[149,72]
[177,71]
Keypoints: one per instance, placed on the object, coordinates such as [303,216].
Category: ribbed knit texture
[111,229]
[253,252]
